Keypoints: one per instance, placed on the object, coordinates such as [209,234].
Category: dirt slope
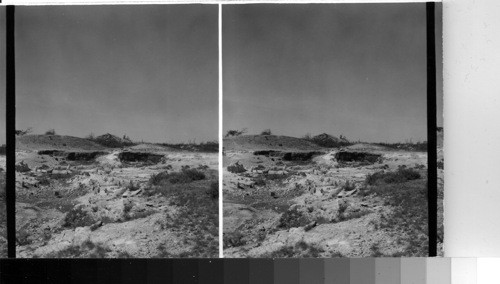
[55,142]
[268,142]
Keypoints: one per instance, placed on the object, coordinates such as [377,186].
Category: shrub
[214,190]
[133,187]
[349,186]
[88,250]
[111,141]
[259,181]
[77,217]
[209,147]
[24,132]
[205,147]
[186,175]
[22,167]
[236,168]
[266,132]
[292,219]
[232,133]
[300,250]
[43,181]
[399,176]
[234,239]
[50,132]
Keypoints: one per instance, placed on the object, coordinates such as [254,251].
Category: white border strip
[220,137]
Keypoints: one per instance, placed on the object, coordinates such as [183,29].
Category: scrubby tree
[24,132]
[266,132]
[231,133]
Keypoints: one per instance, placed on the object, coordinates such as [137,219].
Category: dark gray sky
[352,69]
[148,71]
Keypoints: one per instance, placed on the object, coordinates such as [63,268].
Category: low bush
[186,175]
[259,181]
[300,250]
[205,147]
[236,168]
[348,186]
[234,239]
[266,132]
[87,250]
[399,176]
[407,146]
[77,217]
[234,132]
[292,219]
[214,190]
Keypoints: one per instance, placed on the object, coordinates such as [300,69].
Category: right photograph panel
[325,124]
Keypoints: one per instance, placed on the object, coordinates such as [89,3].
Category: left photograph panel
[116,131]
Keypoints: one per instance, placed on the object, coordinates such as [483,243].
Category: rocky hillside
[329,141]
[55,142]
[112,141]
[268,142]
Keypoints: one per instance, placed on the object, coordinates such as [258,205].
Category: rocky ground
[78,198]
[286,197]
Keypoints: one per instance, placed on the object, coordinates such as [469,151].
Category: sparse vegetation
[106,196]
[88,249]
[77,217]
[327,141]
[346,212]
[233,132]
[278,193]
[292,218]
[300,250]
[233,239]
[236,168]
[407,221]
[401,175]
[407,146]
[111,141]
[213,192]
[266,132]
[348,186]
[186,175]
[259,181]
[196,218]
[203,147]
[22,132]
[375,251]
